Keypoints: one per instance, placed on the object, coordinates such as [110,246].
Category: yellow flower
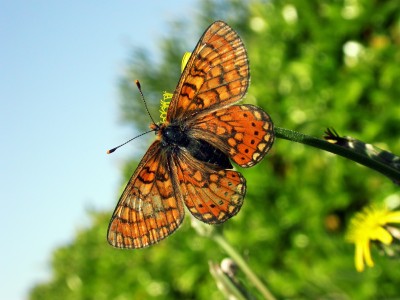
[166,100]
[370,225]
[185,59]
[164,104]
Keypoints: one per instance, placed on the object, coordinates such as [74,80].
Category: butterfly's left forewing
[148,210]
[216,75]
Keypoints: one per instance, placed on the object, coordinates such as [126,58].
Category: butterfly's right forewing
[216,75]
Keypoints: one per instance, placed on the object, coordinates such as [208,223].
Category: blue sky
[59,67]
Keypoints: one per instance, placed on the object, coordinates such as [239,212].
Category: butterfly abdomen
[203,151]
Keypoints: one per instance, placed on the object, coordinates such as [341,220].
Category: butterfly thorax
[175,138]
[173,134]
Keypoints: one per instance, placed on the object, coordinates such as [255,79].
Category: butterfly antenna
[154,128]
[115,148]
[144,101]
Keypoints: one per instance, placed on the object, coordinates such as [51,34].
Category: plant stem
[383,168]
[219,238]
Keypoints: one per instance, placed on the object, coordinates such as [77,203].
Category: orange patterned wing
[212,195]
[216,75]
[148,210]
[243,132]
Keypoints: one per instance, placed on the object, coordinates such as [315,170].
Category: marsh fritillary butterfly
[189,163]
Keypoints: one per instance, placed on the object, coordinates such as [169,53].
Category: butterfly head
[155,127]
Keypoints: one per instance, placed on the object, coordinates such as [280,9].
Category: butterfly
[189,163]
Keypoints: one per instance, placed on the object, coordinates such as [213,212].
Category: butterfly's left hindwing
[211,194]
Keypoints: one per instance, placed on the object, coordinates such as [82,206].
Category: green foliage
[314,64]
